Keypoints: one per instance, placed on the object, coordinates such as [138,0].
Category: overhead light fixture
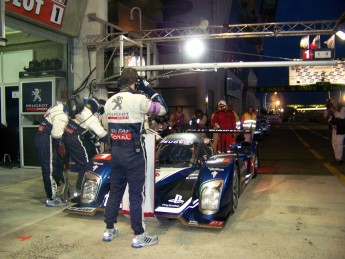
[194,47]
[341,33]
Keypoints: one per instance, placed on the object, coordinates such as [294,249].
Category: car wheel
[235,190]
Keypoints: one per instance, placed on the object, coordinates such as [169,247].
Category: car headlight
[91,185]
[210,196]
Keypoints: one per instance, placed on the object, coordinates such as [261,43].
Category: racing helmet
[75,105]
[96,105]
[222,105]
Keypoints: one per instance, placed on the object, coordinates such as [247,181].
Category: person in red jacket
[224,119]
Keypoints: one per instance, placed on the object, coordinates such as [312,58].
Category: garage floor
[279,216]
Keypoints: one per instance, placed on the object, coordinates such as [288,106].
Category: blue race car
[203,195]
[191,185]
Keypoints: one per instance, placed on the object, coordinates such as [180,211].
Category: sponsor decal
[49,12]
[117,103]
[102,157]
[97,163]
[216,223]
[121,136]
[94,167]
[105,200]
[214,173]
[70,130]
[123,117]
[177,199]
[83,209]
[177,142]
[37,95]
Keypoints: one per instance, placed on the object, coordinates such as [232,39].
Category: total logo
[177,199]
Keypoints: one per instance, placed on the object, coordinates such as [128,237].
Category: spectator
[177,119]
[248,121]
[224,119]
[337,123]
[199,120]
[125,115]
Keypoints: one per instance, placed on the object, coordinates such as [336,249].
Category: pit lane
[295,208]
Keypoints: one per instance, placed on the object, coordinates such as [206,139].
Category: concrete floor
[279,216]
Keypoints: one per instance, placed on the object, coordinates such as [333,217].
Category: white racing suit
[49,135]
[83,122]
[125,114]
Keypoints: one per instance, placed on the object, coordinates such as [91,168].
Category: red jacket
[225,120]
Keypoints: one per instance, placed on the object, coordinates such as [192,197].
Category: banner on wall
[36,96]
[49,12]
[307,75]
[64,16]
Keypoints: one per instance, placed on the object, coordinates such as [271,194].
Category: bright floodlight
[194,47]
[340,34]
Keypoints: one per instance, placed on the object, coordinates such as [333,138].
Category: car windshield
[174,155]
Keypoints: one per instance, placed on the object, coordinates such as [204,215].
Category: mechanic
[125,114]
[50,148]
[224,119]
[337,111]
[248,121]
[78,125]
[89,138]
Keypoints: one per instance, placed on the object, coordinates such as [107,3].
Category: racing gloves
[144,86]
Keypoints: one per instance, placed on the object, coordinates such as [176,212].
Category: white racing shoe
[109,234]
[144,240]
[56,202]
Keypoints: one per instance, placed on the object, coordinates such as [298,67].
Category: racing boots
[144,240]
[109,234]
[55,202]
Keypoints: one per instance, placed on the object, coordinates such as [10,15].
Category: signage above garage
[59,15]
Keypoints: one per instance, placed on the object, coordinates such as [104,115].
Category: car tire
[235,190]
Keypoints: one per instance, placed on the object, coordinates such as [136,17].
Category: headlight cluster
[91,184]
[210,196]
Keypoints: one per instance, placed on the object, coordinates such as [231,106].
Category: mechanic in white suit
[337,120]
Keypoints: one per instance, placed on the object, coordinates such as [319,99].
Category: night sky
[288,47]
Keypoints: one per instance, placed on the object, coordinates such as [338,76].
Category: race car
[191,184]
[207,195]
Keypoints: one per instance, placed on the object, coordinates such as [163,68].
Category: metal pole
[215,66]
[121,52]
[140,28]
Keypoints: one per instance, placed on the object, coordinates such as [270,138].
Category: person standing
[224,119]
[248,121]
[337,112]
[177,119]
[125,115]
[50,147]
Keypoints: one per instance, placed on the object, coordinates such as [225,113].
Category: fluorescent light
[340,34]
